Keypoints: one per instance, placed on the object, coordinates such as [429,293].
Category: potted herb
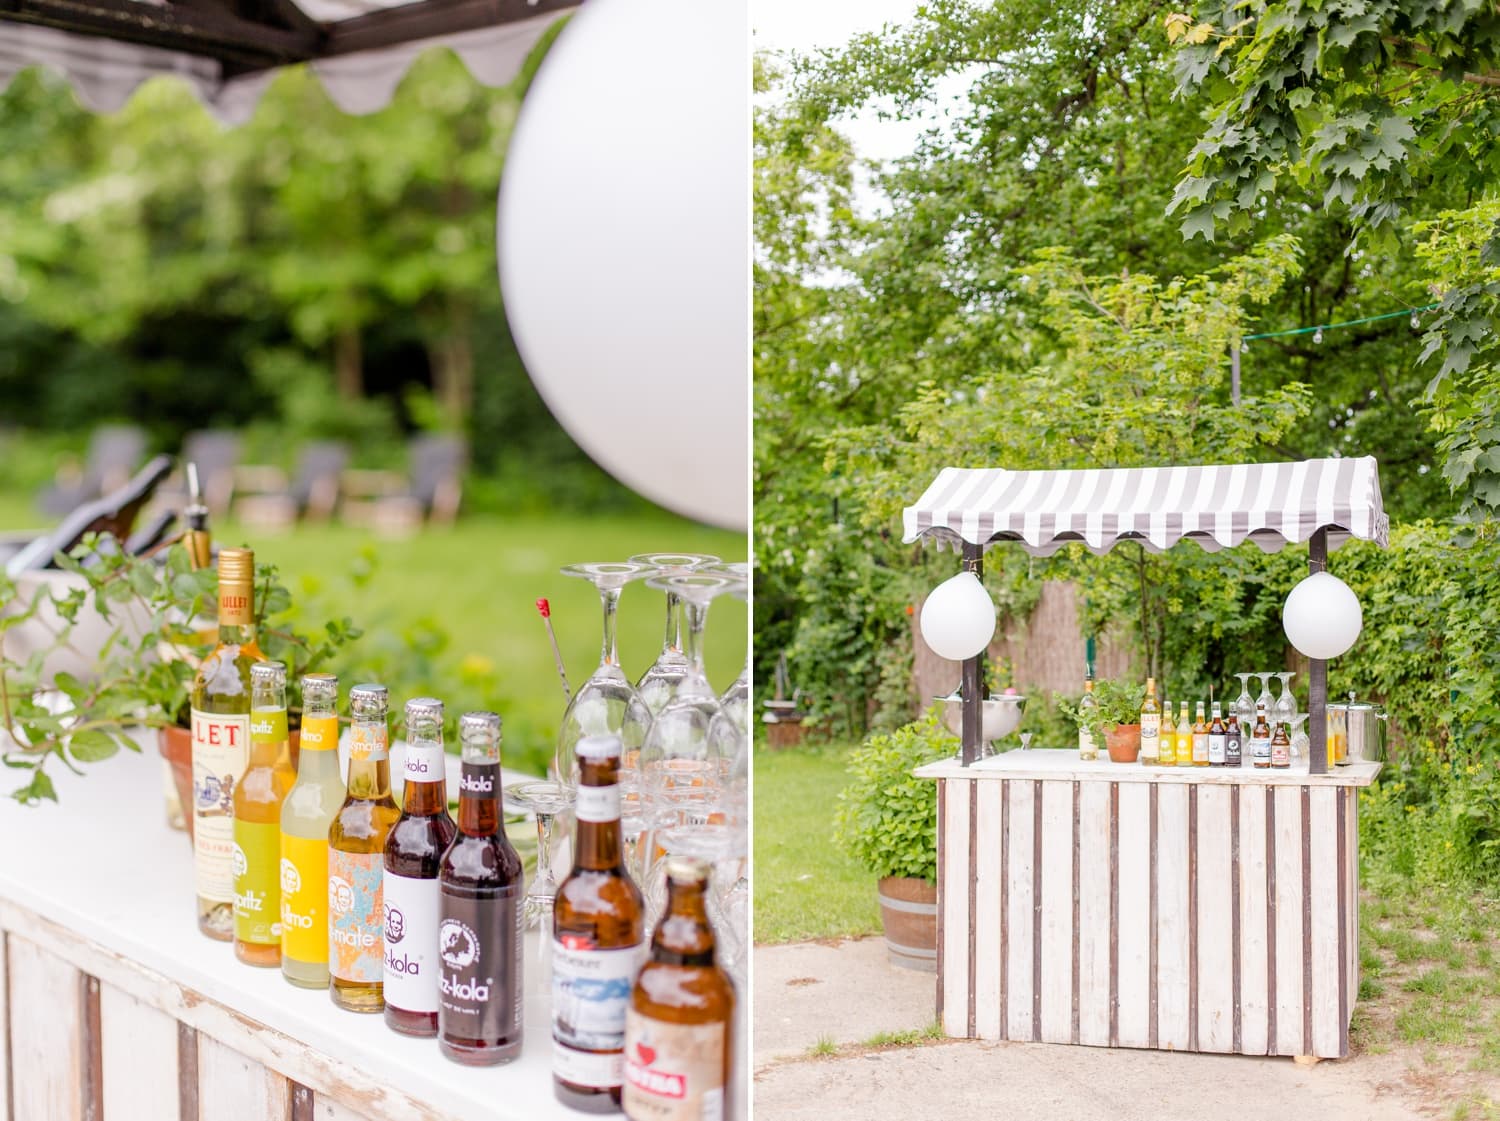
[887,820]
[143,659]
[1116,721]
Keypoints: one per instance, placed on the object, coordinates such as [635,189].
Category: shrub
[887,817]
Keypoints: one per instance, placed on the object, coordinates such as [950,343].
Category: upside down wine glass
[657,685]
[1286,704]
[1265,697]
[1244,706]
[606,704]
[544,800]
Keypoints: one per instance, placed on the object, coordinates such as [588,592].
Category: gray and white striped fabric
[1272,504]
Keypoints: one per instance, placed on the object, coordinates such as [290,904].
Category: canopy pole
[973,672]
[1317,673]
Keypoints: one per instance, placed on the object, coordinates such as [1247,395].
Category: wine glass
[1244,707]
[1301,743]
[606,704]
[661,678]
[1265,697]
[544,800]
[1286,704]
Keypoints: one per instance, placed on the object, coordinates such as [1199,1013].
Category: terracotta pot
[1124,743]
[908,914]
[176,746]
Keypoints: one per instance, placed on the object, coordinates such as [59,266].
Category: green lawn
[468,593]
[805,887]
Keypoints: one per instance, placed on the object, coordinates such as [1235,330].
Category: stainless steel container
[1356,732]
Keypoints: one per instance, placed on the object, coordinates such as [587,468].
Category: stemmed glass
[544,800]
[660,681]
[1301,744]
[606,704]
[1286,704]
[1244,707]
[1265,697]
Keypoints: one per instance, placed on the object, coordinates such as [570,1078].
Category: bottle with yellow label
[221,741]
[1167,737]
[1184,737]
[306,814]
[257,820]
[1150,726]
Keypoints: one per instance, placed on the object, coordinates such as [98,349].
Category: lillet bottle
[678,1028]
[597,942]
[257,820]
[356,848]
[480,943]
[413,852]
[306,814]
[221,741]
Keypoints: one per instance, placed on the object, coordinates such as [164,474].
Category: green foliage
[1119,702]
[887,818]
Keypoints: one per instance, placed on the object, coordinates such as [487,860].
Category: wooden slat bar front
[1181,908]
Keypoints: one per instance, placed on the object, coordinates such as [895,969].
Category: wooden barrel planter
[908,914]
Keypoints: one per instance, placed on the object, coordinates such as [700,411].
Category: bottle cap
[320,687]
[237,566]
[368,701]
[479,726]
[598,748]
[687,869]
[268,674]
[419,709]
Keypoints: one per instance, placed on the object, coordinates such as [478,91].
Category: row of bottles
[408,913]
[1209,742]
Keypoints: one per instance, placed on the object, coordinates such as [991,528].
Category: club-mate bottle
[480,933]
[1166,740]
[1184,737]
[306,815]
[1218,738]
[413,852]
[597,944]
[678,1027]
[1150,725]
[1200,739]
[1088,714]
[221,741]
[356,848]
[257,820]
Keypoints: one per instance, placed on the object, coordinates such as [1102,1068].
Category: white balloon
[1322,616]
[624,246]
[958,619]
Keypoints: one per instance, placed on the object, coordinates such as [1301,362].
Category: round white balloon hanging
[1322,616]
[624,246]
[958,618]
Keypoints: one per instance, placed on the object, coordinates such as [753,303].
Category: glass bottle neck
[598,846]
[479,817]
[424,798]
[317,766]
[684,936]
[231,634]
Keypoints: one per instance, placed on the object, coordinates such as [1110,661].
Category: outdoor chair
[115,451]
[267,499]
[384,501]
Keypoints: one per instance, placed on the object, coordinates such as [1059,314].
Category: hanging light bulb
[1318,335]
[1416,321]
[1244,347]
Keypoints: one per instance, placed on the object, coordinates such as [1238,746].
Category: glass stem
[544,855]
[611,600]
[673,640]
[697,614]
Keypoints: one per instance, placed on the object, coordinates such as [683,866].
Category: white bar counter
[114,1005]
[1177,908]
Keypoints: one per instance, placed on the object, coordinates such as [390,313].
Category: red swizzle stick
[545,609]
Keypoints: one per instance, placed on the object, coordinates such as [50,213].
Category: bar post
[1317,674]
[973,676]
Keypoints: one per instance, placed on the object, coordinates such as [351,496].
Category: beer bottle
[1281,746]
[356,844]
[1260,738]
[677,1031]
[257,820]
[413,852]
[597,942]
[1218,738]
[306,815]
[1233,741]
[480,934]
[221,741]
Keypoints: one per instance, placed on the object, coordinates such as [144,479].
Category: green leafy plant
[153,608]
[1119,703]
[887,817]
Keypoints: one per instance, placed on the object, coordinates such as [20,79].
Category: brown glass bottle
[677,1032]
[597,942]
[413,851]
[480,940]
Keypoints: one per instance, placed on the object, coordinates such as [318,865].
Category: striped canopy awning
[1272,504]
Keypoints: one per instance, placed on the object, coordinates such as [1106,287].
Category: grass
[805,887]
[472,589]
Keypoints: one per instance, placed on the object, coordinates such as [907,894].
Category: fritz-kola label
[304,898]
[423,762]
[257,882]
[411,942]
[221,747]
[673,1072]
[355,948]
[480,952]
[590,993]
[479,780]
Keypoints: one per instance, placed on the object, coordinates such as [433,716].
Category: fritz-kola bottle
[413,852]
[306,814]
[1150,725]
[480,942]
[1233,740]
[257,820]
[356,847]
[597,947]
[677,1031]
[221,741]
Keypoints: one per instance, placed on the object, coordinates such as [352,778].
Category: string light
[1317,331]
[1318,335]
